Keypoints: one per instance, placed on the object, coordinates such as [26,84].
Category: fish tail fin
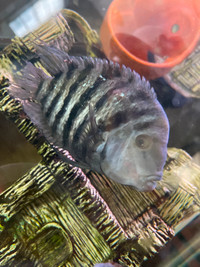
[52,59]
[25,85]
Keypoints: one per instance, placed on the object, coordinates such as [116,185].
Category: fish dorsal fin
[53,59]
[92,119]
[24,88]
[94,131]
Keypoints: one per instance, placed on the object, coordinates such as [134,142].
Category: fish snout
[154,177]
[150,182]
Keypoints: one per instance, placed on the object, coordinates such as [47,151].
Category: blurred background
[18,17]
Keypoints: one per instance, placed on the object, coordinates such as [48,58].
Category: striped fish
[105,115]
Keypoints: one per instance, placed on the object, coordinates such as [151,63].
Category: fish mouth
[153,178]
[150,182]
[150,186]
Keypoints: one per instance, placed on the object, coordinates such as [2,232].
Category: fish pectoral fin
[94,132]
[92,119]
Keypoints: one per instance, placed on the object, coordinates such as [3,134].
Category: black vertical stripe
[51,107]
[80,138]
[39,89]
[117,85]
[56,99]
[71,69]
[72,91]
[50,89]
[79,131]
[78,107]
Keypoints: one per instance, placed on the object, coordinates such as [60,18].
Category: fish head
[136,158]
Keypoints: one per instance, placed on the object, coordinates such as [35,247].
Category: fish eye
[143,141]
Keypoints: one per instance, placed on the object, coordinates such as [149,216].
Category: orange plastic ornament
[150,36]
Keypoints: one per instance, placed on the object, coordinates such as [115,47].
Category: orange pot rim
[165,65]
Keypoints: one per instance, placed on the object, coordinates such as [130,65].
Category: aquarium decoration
[59,215]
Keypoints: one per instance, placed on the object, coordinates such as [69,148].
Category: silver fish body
[105,115]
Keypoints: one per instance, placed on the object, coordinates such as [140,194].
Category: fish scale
[77,101]
[82,122]
[63,101]
[78,109]
[105,115]
[43,89]
[49,101]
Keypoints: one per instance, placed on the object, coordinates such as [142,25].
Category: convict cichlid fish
[105,115]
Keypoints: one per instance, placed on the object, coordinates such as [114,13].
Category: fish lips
[150,182]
